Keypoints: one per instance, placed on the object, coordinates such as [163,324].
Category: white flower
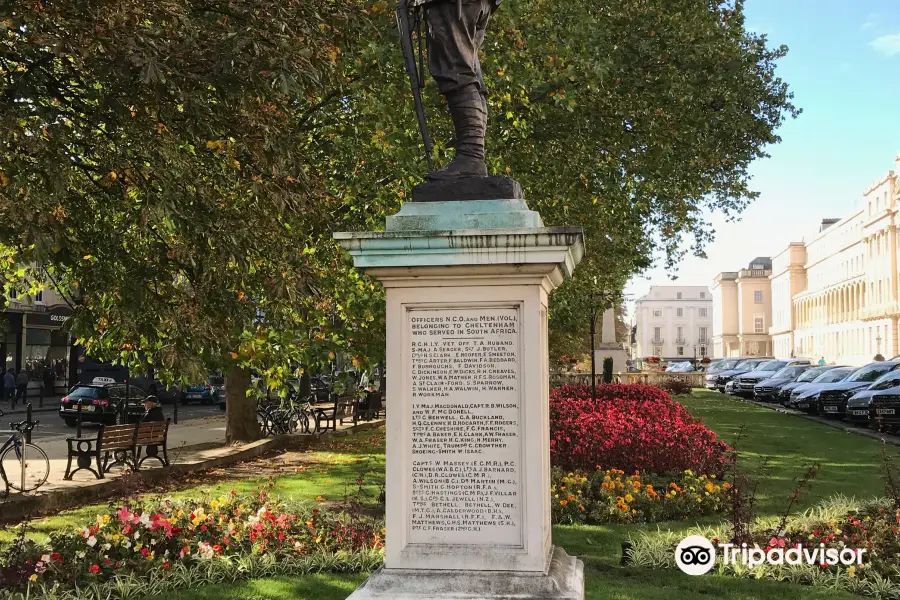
[145,519]
[92,541]
[262,510]
[126,544]
[85,533]
[251,520]
[204,550]
[153,542]
[45,558]
[137,535]
[80,554]
[106,547]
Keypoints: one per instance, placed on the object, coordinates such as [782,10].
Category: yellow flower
[629,498]
[851,570]
[34,577]
[320,499]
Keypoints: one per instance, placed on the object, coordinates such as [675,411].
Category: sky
[844,69]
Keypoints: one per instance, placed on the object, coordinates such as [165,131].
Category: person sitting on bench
[153,411]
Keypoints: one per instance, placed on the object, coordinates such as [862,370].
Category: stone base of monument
[468,507]
[614,351]
[563,581]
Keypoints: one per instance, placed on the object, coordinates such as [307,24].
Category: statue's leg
[453,45]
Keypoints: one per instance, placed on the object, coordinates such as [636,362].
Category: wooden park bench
[123,444]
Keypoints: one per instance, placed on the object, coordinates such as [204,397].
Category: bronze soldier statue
[455,31]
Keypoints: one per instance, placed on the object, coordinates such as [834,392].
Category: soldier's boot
[468,110]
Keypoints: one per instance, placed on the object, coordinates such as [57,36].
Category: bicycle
[37,465]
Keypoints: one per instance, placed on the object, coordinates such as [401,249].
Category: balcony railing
[883,310]
[679,340]
[657,341]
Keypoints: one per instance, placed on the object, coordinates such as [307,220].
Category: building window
[679,295]
[757,297]
[657,313]
[759,324]
[39,297]
[680,350]
[657,351]
[703,338]
[679,312]
[13,296]
[702,313]
[702,295]
[680,331]
[657,333]
[702,350]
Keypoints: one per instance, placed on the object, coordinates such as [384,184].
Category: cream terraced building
[836,295]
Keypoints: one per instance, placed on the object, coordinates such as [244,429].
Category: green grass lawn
[850,465]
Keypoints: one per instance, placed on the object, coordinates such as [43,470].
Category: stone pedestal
[468,463]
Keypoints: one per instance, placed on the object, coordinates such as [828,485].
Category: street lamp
[878,344]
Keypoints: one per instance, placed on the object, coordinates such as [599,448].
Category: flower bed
[154,539]
[611,496]
[630,427]
[840,523]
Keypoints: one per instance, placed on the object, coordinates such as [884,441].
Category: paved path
[194,441]
[52,426]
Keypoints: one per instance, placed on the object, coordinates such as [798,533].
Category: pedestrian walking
[9,386]
[21,386]
[49,382]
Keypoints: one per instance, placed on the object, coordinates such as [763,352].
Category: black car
[745,383]
[767,390]
[784,392]
[744,366]
[860,406]
[806,396]
[885,413]
[832,400]
[102,402]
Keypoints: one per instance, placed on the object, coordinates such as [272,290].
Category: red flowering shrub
[630,427]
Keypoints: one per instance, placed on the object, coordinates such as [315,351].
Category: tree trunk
[240,411]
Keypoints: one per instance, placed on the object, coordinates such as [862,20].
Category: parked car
[712,373]
[859,407]
[680,367]
[745,383]
[167,394]
[767,390]
[885,414]
[806,397]
[784,392]
[832,400]
[729,388]
[204,393]
[101,402]
[745,366]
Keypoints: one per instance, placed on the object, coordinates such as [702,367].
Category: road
[52,426]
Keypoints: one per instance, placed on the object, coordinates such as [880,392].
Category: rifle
[415,68]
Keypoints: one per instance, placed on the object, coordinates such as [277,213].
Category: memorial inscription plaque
[465,449]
